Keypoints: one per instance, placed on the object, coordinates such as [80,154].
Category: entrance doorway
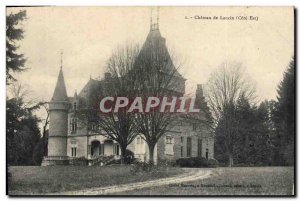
[95,149]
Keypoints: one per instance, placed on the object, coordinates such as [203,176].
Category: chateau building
[69,138]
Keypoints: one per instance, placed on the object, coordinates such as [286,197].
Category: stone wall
[58,123]
[80,142]
[181,131]
[57,146]
[58,128]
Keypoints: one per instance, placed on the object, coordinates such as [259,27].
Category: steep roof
[156,43]
[91,87]
[60,92]
[90,93]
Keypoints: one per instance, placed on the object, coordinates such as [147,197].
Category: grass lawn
[37,179]
[232,181]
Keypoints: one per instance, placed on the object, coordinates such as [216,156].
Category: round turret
[58,126]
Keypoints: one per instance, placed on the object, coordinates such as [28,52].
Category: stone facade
[187,139]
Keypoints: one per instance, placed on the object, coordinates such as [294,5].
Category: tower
[58,125]
[154,50]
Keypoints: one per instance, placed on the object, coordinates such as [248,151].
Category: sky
[88,35]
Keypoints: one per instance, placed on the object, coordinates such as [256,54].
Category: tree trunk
[151,154]
[230,160]
[123,152]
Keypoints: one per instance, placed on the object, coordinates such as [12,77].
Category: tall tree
[155,76]
[226,134]
[249,135]
[22,132]
[41,148]
[284,116]
[15,62]
[244,143]
[263,131]
[253,134]
[223,90]
[119,125]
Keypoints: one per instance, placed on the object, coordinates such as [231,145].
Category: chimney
[107,76]
[199,92]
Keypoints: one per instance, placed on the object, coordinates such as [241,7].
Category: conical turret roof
[60,92]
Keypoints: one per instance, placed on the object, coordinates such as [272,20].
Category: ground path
[191,174]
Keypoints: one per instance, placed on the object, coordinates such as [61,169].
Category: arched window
[168,139]
[138,140]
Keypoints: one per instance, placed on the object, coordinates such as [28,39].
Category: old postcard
[151,101]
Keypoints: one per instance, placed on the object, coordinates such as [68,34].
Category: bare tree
[45,126]
[223,89]
[120,125]
[21,93]
[22,131]
[156,76]
[226,85]
[46,120]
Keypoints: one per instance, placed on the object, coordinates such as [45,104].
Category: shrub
[200,162]
[129,157]
[142,167]
[213,163]
[182,162]
[196,162]
[79,161]
[166,163]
